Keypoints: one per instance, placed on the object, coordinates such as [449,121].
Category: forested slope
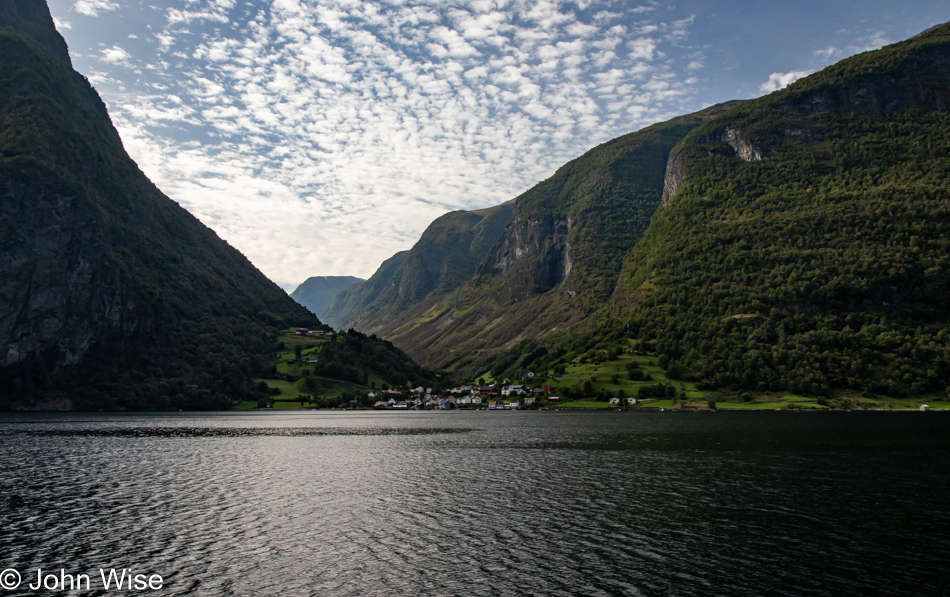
[804,241]
[111,294]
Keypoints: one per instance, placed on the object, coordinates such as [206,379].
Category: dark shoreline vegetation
[791,251]
[581,381]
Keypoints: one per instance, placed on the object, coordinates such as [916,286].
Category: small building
[528,401]
[615,400]
[529,374]
[476,399]
[631,401]
[924,407]
[312,360]
[554,399]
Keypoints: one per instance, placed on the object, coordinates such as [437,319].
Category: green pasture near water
[584,404]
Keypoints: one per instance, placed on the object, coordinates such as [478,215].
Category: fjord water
[483,503]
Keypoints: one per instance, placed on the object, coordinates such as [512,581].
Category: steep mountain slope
[317,292]
[804,239]
[111,295]
[405,287]
[554,261]
[353,300]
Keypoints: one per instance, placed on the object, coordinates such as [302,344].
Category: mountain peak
[33,18]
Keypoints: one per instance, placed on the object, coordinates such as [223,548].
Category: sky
[321,137]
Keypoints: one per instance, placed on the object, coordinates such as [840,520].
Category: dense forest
[806,247]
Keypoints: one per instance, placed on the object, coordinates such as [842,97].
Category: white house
[615,400]
[509,390]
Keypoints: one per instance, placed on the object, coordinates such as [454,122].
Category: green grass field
[289,391]
[612,376]
[585,404]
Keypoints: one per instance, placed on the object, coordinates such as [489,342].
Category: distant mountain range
[316,293]
[111,294]
[797,241]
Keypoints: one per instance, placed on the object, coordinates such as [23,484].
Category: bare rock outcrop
[59,291]
[533,255]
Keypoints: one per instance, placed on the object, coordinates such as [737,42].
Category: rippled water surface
[484,503]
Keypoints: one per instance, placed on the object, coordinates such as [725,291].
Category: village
[632,378]
[491,396]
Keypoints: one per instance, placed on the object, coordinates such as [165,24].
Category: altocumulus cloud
[321,138]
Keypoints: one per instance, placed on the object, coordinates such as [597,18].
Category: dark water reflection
[479,503]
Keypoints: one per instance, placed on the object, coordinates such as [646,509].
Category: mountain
[803,241]
[111,294]
[317,292]
[408,284]
[476,283]
[353,299]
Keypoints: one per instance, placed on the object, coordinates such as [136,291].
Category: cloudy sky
[320,137]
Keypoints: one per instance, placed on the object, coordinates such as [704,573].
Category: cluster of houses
[309,332]
[491,396]
[509,397]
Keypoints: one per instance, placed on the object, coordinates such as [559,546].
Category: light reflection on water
[478,503]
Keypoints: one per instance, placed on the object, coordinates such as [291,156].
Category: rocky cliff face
[59,290]
[914,80]
[111,295]
[533,256]
[728,141]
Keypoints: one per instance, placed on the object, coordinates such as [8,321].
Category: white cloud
[115,55]
[93,8]
[642,48]
[781,80]
[320,139]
